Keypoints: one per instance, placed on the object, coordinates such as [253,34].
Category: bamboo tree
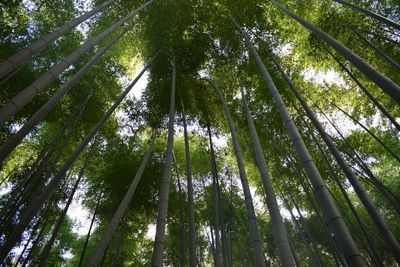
[34,244]
[46,250]
[120,241]
[13,63]
[216,200]
[280,233]
[27,94]
[255,238]
[388,149]
[371,14]
[376,49]
[192,225]
[181,220]
[373,212]
[387,85]
[367,93]
[26,217]
[374,256]
[158,249]
[334,221]
[99,252]
[39,115]
[90,230]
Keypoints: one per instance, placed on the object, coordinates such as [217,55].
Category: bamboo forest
[200,133]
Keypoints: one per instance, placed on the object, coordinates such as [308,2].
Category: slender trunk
[391,152]
[158,249]
[181,221]
[285,254]
[374,256]
[39,115]
[370,96]
[373,212]
[26,95]
[215,203]
[371,14]
[27,216]
[90,230]
[192,225]
[376,49]
[386,84]
[26,245]
[217,198]
[255,238]
[34,245]
[24,55]
[123,206]
[359,161]
[332,215]
[30,182]
[46,250]
[120,241]
[212,245]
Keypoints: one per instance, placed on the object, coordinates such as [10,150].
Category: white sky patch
[321,77]
[80,215]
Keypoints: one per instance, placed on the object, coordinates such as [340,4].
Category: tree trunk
[280,233]
[158,249]
[374,256]
[192,225]
[215,198]
[27,216]
[90,230]
[391,152]
[371,14]
[34,244]
[386,84]
[120,241]
[370,96]
[255,238]
[123,206]
[376,49]
[332,215]
[373,212]
[46,250]
[26,95]
[22,56]
[39,115]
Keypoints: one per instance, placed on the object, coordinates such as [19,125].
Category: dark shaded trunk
[257,243]
[391,152]
[46,250]
[192,225]
[90,230]
[367,93]
[159,242]
[386,84]
[26,95]
[27,216]
[13,63]
[216,200]
[99,251]
[376,49]
[39,115]
[34,245]
[182,254]
[371,14]
[285,254]
[334,221]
